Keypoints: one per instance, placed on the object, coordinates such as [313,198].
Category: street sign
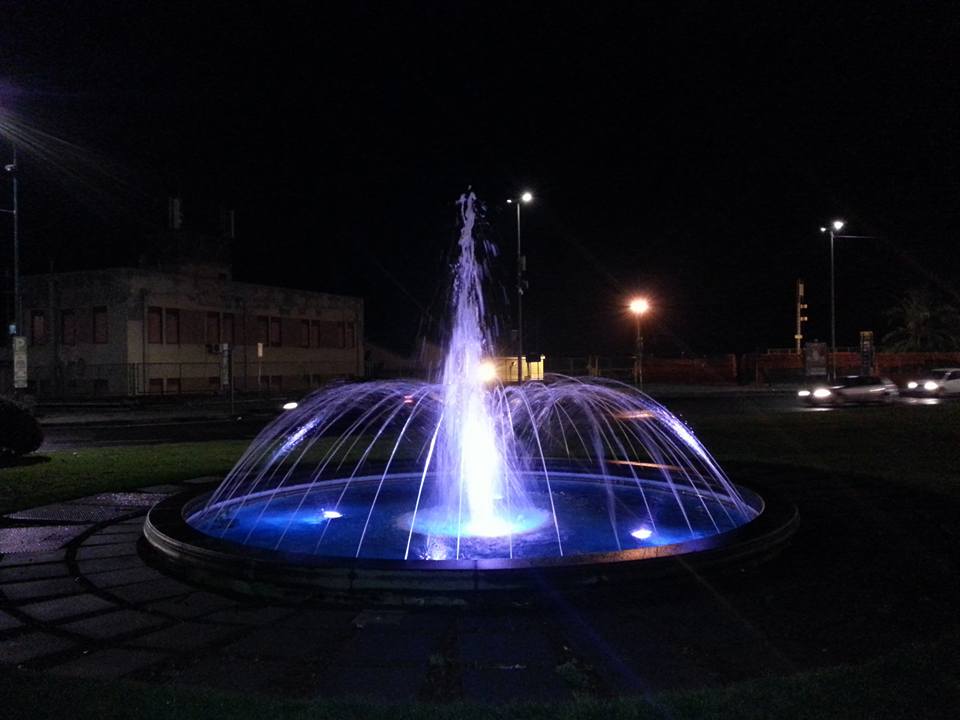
[867,352]
[224,365]
[19,362]
[815,359]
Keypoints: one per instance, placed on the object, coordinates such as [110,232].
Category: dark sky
[687,150]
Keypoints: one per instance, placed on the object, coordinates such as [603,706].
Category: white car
[937,382]
[851,389]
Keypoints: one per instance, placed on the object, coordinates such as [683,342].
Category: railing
[88,380]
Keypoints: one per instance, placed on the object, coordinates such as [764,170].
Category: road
[174,430]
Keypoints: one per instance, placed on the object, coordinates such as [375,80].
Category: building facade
[128,332]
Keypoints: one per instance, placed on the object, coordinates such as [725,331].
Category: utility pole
[801,318]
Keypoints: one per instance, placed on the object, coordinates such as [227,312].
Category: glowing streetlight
[487,372]
[639,306]
[525,197]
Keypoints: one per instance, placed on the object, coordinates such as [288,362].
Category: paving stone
[379,617]
[390,646]
[251,616]
[110,663]
[71,512]
[186,636]
[28,558]
[122,528]
[505,641]
[528,648]
[240,675]
[42,588]
[152,591]
[121,499]
[30,646]
[162,489]
[376,684]
[287,643]
[38,538]
[203,480]
[101,551]
[34,572]
[117,578]
[119,622]
[110,538]
[119,562]
[8,622]
[134,522]
[193,605]
[51,610]
[510,684]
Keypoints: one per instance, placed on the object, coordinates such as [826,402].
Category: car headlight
[911,385]
[803,393]
[822,393]
[930,386]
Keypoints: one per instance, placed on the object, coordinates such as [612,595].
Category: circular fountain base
[443,570]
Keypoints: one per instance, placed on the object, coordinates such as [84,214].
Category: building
[182,330]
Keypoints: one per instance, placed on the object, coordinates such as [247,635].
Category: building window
[172,326]
[263,329]
[100,335]
[276,337]
[154,325]
[213,328]
[305,333]
[349,335]
[68,327]
[227,331]
[173,386]
[38,327]
[329,334]
[156,386]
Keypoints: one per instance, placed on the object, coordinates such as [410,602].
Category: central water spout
[472,451]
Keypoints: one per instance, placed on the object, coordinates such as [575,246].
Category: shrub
[19,431]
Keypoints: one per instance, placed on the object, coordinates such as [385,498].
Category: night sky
[690,151]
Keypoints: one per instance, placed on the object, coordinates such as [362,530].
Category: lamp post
[17,310]
[835,227]
[638,306]
[834,231]
[524,198]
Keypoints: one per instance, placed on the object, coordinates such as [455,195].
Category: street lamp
[835,227]
[638,306]
[524,198]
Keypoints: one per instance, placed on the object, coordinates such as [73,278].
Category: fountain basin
[592,557]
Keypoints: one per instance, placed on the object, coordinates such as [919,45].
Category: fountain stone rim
[223,563]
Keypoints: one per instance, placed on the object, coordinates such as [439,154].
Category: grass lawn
[75,473]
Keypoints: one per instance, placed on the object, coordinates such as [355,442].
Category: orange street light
[639,306]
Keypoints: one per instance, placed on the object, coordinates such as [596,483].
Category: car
[851,389]
[936,383]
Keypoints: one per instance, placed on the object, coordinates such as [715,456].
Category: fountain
[403,484]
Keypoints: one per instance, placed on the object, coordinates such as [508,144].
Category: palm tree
[920,325]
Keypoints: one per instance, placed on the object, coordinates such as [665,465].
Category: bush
[19,431]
